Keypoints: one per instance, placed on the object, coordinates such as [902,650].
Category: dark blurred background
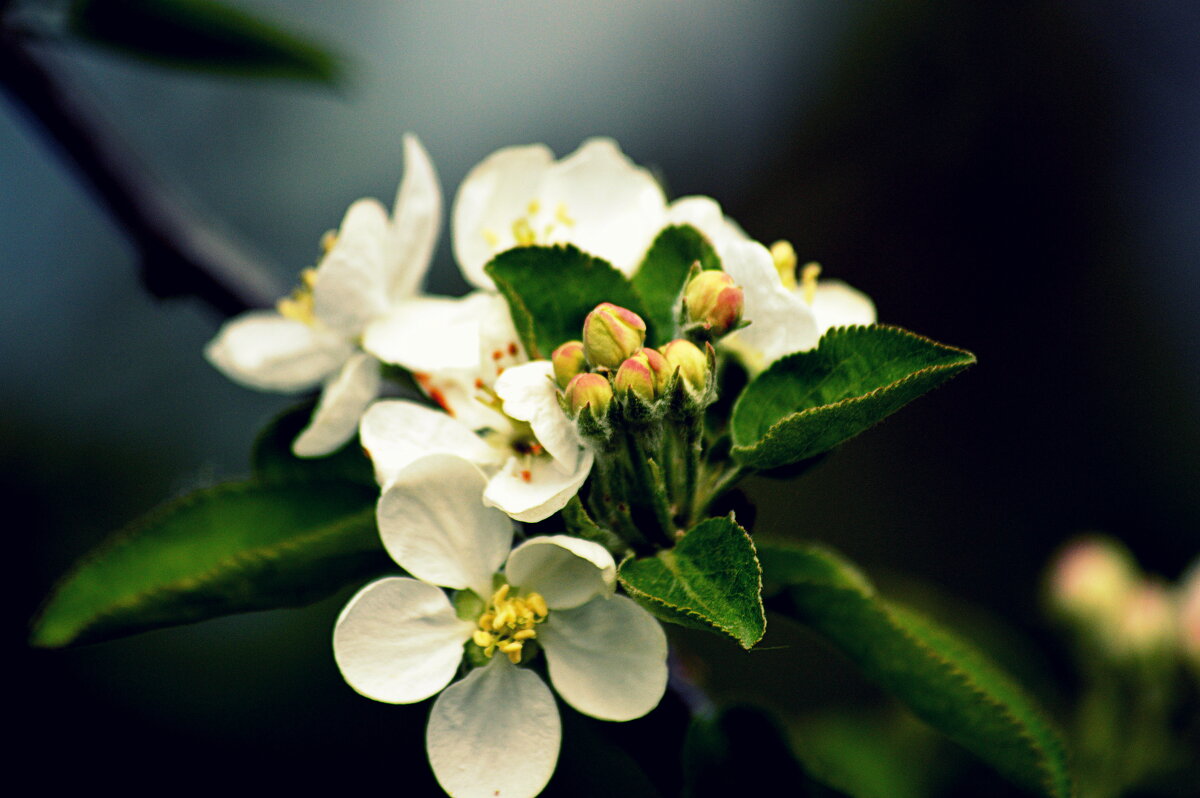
[1019,179]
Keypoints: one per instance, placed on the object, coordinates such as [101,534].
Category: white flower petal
[836,304]
[396,432]
[530,394]
[352,278]
[704,214]
[343,401]
[425,334]
[491,198]
[416,217]
[495,733]
[567,571]
[399,641]
[615,207]
[434,525]
[266,351]
[780,321]
[607,659]
[533,489]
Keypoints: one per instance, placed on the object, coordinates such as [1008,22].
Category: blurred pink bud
[714,300]
[568,361]
[589,389]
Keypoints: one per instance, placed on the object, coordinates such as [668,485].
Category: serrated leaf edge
[128,533]
[689,612]
[1024,730]
[775,429]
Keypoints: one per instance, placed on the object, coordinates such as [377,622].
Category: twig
[180,253]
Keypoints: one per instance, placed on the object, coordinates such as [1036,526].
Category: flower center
[784,256]
[534,227]
[508,622]
[298,306]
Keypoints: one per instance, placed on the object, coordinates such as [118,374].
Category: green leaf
[230,548]
[942,678]
[551,289]
[201,35]
[809,402]
[660,277]
[740,751]
[273,461]
[711,580]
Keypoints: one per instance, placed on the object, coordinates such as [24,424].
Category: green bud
[589,389]
[568,361]
[635,377]
[691,361]
[611,334]
[714,301]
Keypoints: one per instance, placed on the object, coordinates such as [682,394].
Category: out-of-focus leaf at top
[202,35]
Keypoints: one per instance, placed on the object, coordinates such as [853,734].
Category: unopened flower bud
[1145,623]
[714,300]
[659,367]
[589,390]
[1092,580]
[568,361]
[611,334]
[634,376]
[692,363]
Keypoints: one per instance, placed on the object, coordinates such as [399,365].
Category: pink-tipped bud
[589,390]
[692,363]
[1092,580]
[611,334]
[714,300]
[635,377]
[568,361]
[659,367]
[1146,622]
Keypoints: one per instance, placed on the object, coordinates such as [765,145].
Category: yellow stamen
[508,623]
[523,233]
[491,238]
[785,263]
[808,281]
[328,240]
[533,207]
[560,213]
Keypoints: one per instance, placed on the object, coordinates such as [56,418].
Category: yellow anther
[491,238]
[508,622]
[328,240]
[298,306]
[808,281]
[538,604]
[523,233]
[308,278]
[533,207]
[785,263]
[560,213]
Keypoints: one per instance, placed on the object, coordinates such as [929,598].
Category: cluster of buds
[1096,587]
[612,372]
[711,305]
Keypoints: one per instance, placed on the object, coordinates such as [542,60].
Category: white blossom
[595,198]
[400,640]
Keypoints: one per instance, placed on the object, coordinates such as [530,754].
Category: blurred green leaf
[710,580]
[942,678]
[230,548]
[273,461]
[868,757]
[660,277]
[201,35]
[739,751]
[550,290]
[809,402]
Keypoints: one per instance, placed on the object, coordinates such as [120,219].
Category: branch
[180,252]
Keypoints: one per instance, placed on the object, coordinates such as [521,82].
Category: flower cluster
[496,437]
